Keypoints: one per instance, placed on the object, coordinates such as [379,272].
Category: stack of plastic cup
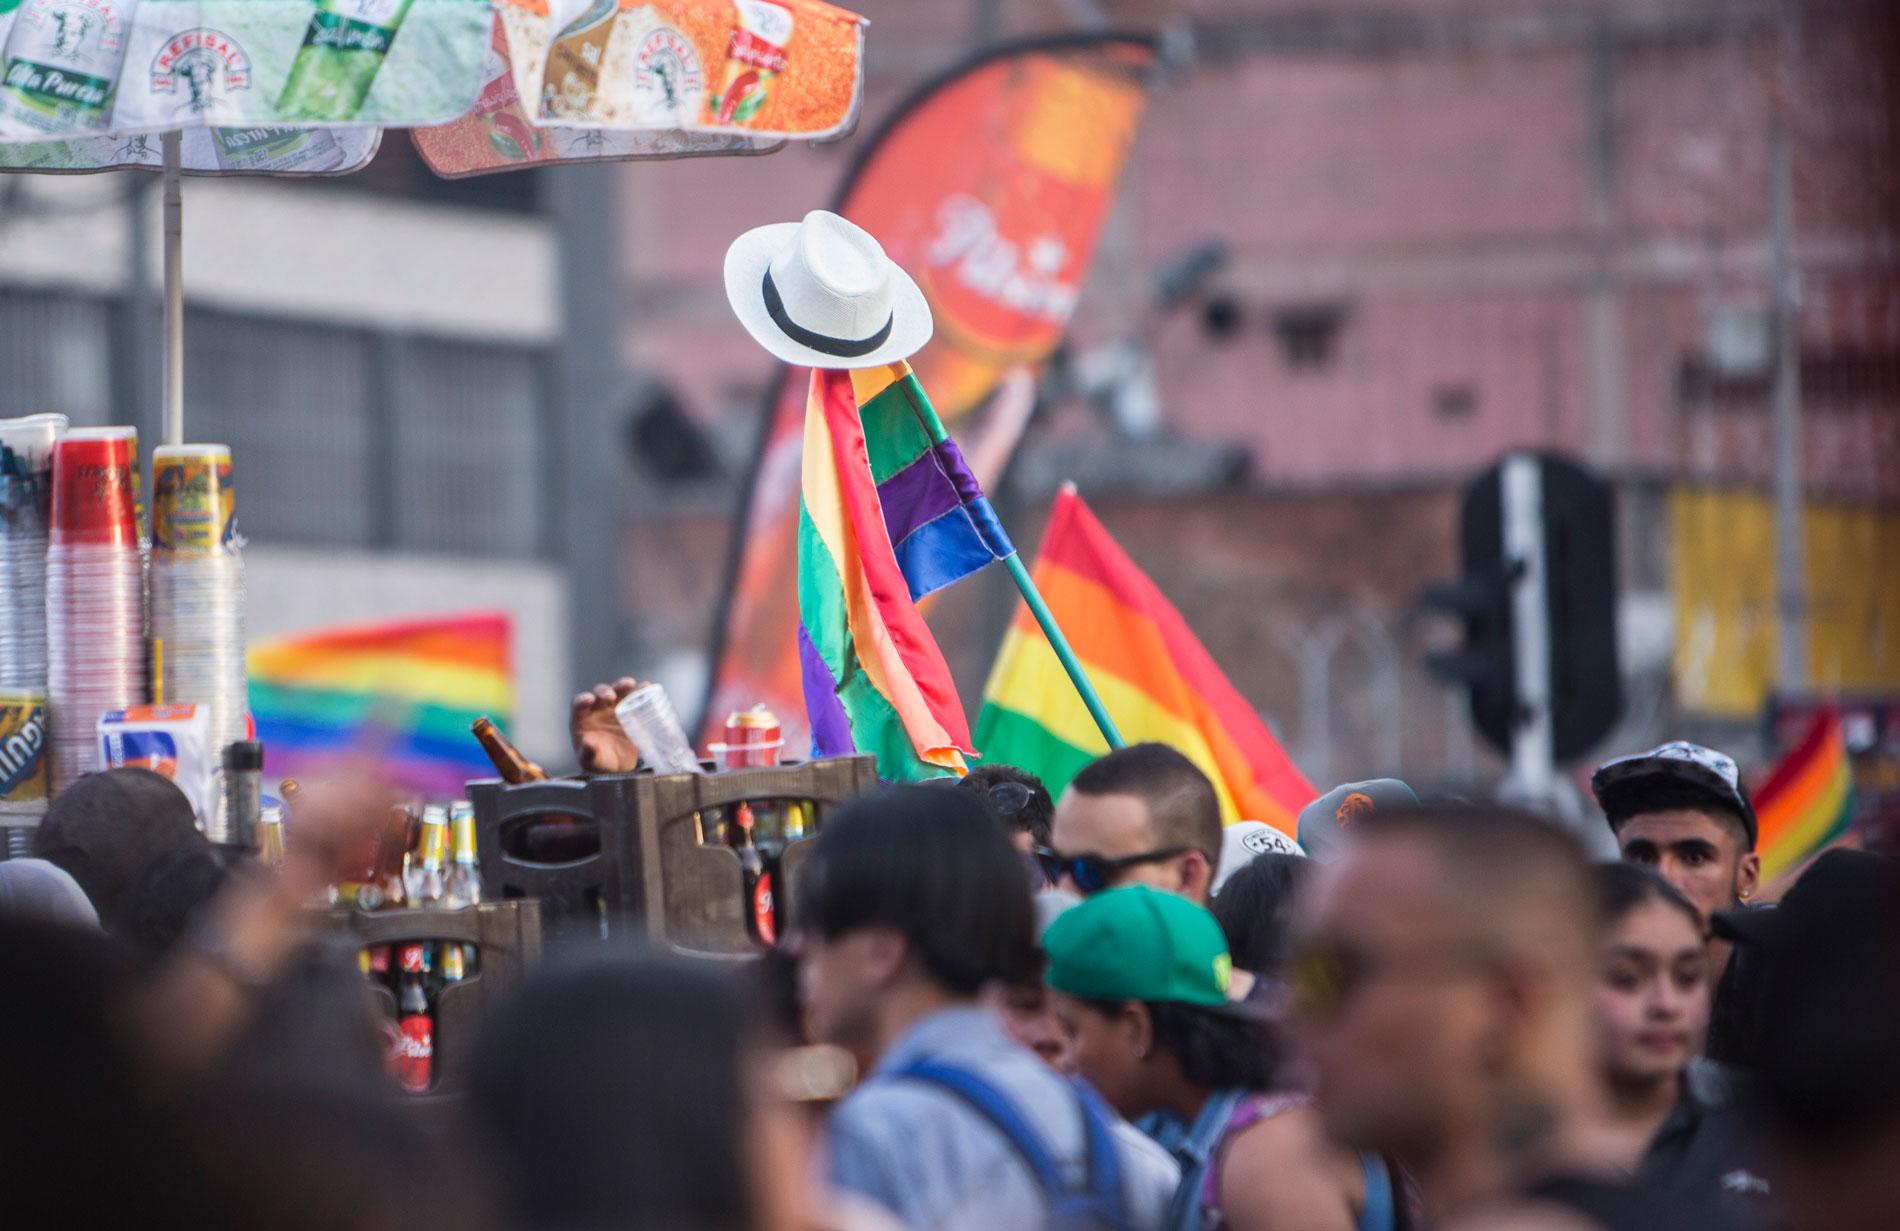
[197,586]
[26,491]
[95,588]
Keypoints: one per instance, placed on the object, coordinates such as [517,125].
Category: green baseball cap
[1138,943]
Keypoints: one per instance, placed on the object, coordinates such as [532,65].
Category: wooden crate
[650,875]
[508,936]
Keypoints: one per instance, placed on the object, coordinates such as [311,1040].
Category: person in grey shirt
[911,903]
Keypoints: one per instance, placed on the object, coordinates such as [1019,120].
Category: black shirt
[1705,1152]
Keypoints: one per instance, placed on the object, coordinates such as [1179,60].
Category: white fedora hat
[822,294]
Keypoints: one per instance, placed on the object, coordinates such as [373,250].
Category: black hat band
[823,343]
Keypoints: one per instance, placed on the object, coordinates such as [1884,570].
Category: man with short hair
[1443,985]
[1143,814]
[1681,809]
[912,902]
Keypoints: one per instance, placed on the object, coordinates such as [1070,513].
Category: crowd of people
[998,1010]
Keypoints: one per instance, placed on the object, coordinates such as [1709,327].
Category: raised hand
[600,742]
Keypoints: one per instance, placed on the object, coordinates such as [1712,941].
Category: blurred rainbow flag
[1806,803]
[401,693]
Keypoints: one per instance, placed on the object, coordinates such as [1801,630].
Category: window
[1308,335]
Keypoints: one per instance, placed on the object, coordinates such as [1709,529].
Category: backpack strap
[1104,1161]
[990,1103]
[1102,1186]
[1381,1208]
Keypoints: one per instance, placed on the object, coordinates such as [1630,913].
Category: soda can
[24,767]
[95,489]
[753,739]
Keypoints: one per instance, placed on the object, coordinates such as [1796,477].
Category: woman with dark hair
[1674,1113]
[624,1091]
[1141,980]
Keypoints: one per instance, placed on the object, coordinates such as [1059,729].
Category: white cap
[1243,840]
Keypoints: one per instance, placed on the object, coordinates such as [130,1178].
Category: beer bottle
[509,763]
[414,1059]
[426,879]
[464,885]
[758,880]
[454,963]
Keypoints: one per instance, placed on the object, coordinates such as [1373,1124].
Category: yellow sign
[1724,592]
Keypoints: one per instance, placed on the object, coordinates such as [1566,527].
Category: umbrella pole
[174,295]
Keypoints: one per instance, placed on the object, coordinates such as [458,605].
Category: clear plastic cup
[646,715]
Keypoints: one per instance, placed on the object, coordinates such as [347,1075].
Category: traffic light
[1537,598]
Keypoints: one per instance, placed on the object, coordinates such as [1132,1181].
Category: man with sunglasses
[1144,814]
[1442,989]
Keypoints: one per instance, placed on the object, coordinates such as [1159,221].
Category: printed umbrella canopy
[305,87]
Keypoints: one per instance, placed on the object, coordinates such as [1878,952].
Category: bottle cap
[244,756]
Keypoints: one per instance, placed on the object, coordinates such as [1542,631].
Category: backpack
[1097,1205]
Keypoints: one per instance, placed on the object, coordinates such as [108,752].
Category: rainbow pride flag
[401,693]
[1157,680]
[886,516]
[1806,803]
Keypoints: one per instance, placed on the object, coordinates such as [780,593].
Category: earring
[1745,895]
[1141,1053]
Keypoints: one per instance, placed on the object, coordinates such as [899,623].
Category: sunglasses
[1322,978]
[1009,798]
[1094,873]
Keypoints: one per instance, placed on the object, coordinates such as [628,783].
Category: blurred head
[1255,910]
[67,1059]
[1653,994]
[131,840]
[1026,1008]
[1326,824]
[1443,975]
[1144,814]
[910,891]
[617,1093]
[1829,1074]
[1681,810]
[1028,1012]
[1140,982]
[1018,798]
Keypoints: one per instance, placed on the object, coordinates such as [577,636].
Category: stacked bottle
[26,491]
[198,587]
[95,590]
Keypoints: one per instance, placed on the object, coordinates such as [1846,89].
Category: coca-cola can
[753,738]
